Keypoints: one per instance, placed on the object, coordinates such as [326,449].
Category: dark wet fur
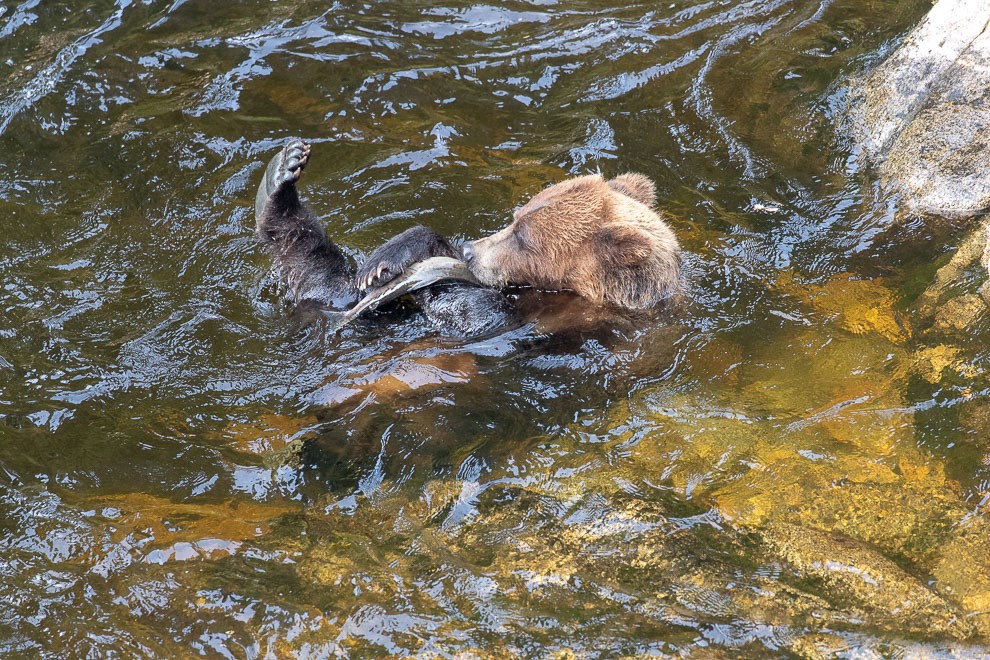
[318,274]
[453,308]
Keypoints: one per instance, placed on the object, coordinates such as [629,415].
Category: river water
[794,462]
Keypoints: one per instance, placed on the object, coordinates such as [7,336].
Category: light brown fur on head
[601,239]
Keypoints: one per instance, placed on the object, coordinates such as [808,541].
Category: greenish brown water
[795,464]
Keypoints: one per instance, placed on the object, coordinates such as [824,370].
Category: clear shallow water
[794,463]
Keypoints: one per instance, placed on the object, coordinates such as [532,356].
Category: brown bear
[603,240]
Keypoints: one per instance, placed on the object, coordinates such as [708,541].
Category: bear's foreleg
[455,309]
[399,252]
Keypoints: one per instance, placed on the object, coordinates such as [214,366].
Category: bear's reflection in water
[419,406]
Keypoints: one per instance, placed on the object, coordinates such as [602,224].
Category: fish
[417,276]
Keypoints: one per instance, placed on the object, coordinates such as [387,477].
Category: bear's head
[601,239]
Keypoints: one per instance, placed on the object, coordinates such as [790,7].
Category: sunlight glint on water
[184,467]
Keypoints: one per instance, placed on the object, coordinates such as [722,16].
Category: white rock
[923,115]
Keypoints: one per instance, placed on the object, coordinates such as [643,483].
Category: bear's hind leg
[315,270]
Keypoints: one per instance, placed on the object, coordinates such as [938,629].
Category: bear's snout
[487,260]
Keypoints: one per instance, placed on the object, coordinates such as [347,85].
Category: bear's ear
[637,186]
[623,246]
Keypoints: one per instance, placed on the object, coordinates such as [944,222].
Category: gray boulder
[923,115]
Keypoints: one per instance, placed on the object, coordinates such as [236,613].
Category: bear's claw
[286,167]
[384,265]
[379,275]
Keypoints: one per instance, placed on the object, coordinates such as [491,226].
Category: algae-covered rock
[922,116]
[854,575]
[959,314]
[963,570]
[903,520]
[818,647]
[861,306]
[930,362]
[951,277]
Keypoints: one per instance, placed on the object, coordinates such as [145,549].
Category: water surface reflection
[186,466]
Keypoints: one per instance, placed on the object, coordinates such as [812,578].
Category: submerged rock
[923,115]
[950,279]
[907,520]
[855,576]
[963,570]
